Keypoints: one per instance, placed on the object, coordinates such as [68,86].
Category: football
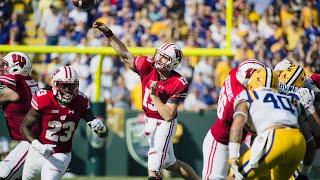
[85,4]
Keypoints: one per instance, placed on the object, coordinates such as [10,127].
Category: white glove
[97,125]
[235,169]
[306,98]
[44,149]
[308,83]
[282,65]
[234,154]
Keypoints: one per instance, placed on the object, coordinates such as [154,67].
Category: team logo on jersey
[137,144]
[63,117]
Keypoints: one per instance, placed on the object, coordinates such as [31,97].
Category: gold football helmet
[291,79]
[263,77]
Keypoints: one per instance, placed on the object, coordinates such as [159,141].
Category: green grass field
[113,178]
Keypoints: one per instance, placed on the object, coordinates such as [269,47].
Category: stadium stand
[269,31]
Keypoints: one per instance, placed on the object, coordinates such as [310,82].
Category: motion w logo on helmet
[17,59]
[178,54]
[249,72]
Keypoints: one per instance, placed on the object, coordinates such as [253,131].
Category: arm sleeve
[180,95]
[244,96]
[9,81]
[35,103]
[39,101]
[142,65]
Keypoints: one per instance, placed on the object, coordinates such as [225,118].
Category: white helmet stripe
[166,45]
[252,61]
[65,72]
[69,70]
[296,74]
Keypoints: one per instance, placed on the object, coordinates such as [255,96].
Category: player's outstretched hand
[282,65]
[44,149]
[97,125]
[101,26]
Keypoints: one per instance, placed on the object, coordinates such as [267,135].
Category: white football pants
[51,167]
[11,167]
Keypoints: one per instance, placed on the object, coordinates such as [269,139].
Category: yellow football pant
[281,158]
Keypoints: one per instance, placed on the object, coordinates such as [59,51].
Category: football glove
[306,99]
[308,83]
[235,169]
[44,149]
[97,125]
[282,65]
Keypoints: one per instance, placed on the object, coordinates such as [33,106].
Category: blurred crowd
[268,30]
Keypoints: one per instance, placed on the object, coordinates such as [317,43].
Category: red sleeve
[316,79]
[181,91]
[142,65]
[9,80]
[84,101]
[39,100]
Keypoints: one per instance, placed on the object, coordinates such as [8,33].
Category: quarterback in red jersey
[162,90]
[16,90]
[58,112]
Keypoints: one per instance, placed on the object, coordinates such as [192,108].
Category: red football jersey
[231,88]
[15,112]
[58,123]
[173,89]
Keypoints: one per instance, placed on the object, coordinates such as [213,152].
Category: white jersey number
[221,103]
[145,103]
[56,127]
[33,85]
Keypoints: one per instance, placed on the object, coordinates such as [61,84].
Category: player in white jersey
[279,145]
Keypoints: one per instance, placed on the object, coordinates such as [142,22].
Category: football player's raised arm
[96,124]
[29,120]
[7,94]
[117,45]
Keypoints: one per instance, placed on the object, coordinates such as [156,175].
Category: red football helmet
[16,63]
[246,69]
[167,56]
[65,84]
[316,79]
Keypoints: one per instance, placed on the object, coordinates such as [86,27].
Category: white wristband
[234,150]
[35,143]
